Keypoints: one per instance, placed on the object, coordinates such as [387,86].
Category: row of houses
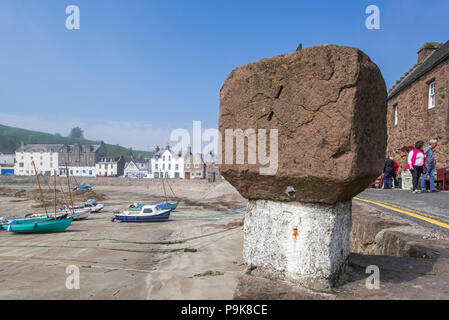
[91,161]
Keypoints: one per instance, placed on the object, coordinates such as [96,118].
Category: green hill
[11,138]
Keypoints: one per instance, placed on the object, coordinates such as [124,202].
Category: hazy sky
[138,69]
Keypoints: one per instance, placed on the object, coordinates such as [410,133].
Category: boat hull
[136,218]
[51,226]
[171,206]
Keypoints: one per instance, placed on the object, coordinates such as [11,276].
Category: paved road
[431,209]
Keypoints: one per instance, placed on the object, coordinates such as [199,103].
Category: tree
[76,132]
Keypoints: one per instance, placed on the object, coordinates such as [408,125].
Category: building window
[395,115]
[163,158]
[198,173]
[176,166]
[169,166]
[432,95]
[21,165]
[196,165]
[188,165]
[156,167]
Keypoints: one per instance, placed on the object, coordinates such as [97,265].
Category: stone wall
[416,122]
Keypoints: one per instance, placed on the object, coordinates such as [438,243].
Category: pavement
[427,209]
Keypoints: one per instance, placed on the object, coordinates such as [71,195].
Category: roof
[56,148]
[84,147]
[40,148]
[416,72]
[109,160]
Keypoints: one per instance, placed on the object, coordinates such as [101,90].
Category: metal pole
[68,184]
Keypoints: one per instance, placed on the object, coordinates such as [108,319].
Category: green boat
[28,220]
[138,207]
[45,226]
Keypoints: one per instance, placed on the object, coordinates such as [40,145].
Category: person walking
[415,163]
[429,167]
[388,173]
[395,173]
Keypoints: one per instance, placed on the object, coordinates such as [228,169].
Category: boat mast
[40,189]
[68,184]
[54,175]
[163,186]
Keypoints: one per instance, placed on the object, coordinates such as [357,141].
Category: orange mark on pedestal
[295,238]
[295,234]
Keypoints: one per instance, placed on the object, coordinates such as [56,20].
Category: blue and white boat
[148,213]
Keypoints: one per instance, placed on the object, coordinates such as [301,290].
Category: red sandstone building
[418,106]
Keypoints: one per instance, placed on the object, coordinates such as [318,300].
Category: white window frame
[432,96]
[396,112]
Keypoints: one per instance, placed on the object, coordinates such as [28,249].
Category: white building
[45,157]
[137,168]
[6,158]
[168,164]
[78,171]
[110,167]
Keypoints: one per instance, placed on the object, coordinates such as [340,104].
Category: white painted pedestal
[307,244]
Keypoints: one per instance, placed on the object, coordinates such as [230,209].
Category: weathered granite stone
[328,104]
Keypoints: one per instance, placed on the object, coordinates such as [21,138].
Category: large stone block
[328,104]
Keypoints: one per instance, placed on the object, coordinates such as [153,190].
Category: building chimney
[427,50]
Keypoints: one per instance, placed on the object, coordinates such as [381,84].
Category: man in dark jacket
[388,173]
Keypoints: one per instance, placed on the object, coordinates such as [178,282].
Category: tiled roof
[417,71]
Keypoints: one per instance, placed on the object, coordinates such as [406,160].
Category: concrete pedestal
[307,244]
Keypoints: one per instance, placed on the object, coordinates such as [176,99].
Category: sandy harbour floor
[196,255]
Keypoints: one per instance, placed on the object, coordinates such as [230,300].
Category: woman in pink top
[415,162]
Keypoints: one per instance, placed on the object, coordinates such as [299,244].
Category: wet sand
[196,255]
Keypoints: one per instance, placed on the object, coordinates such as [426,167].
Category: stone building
[418,106]
[194,165]
[77,155]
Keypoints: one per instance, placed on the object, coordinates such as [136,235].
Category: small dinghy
[93,205]
[77,214]
[147,213]
[44,226]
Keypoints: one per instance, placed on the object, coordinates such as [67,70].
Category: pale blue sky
[138,69]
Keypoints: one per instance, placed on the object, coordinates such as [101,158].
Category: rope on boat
[171,189]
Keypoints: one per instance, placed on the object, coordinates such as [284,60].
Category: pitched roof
[56,148]
[84,147]
[417,71]
[109,160]
[40,148]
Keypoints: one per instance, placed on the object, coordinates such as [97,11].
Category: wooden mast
[163,186]
[54,175]
[68,184]
[40,189]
